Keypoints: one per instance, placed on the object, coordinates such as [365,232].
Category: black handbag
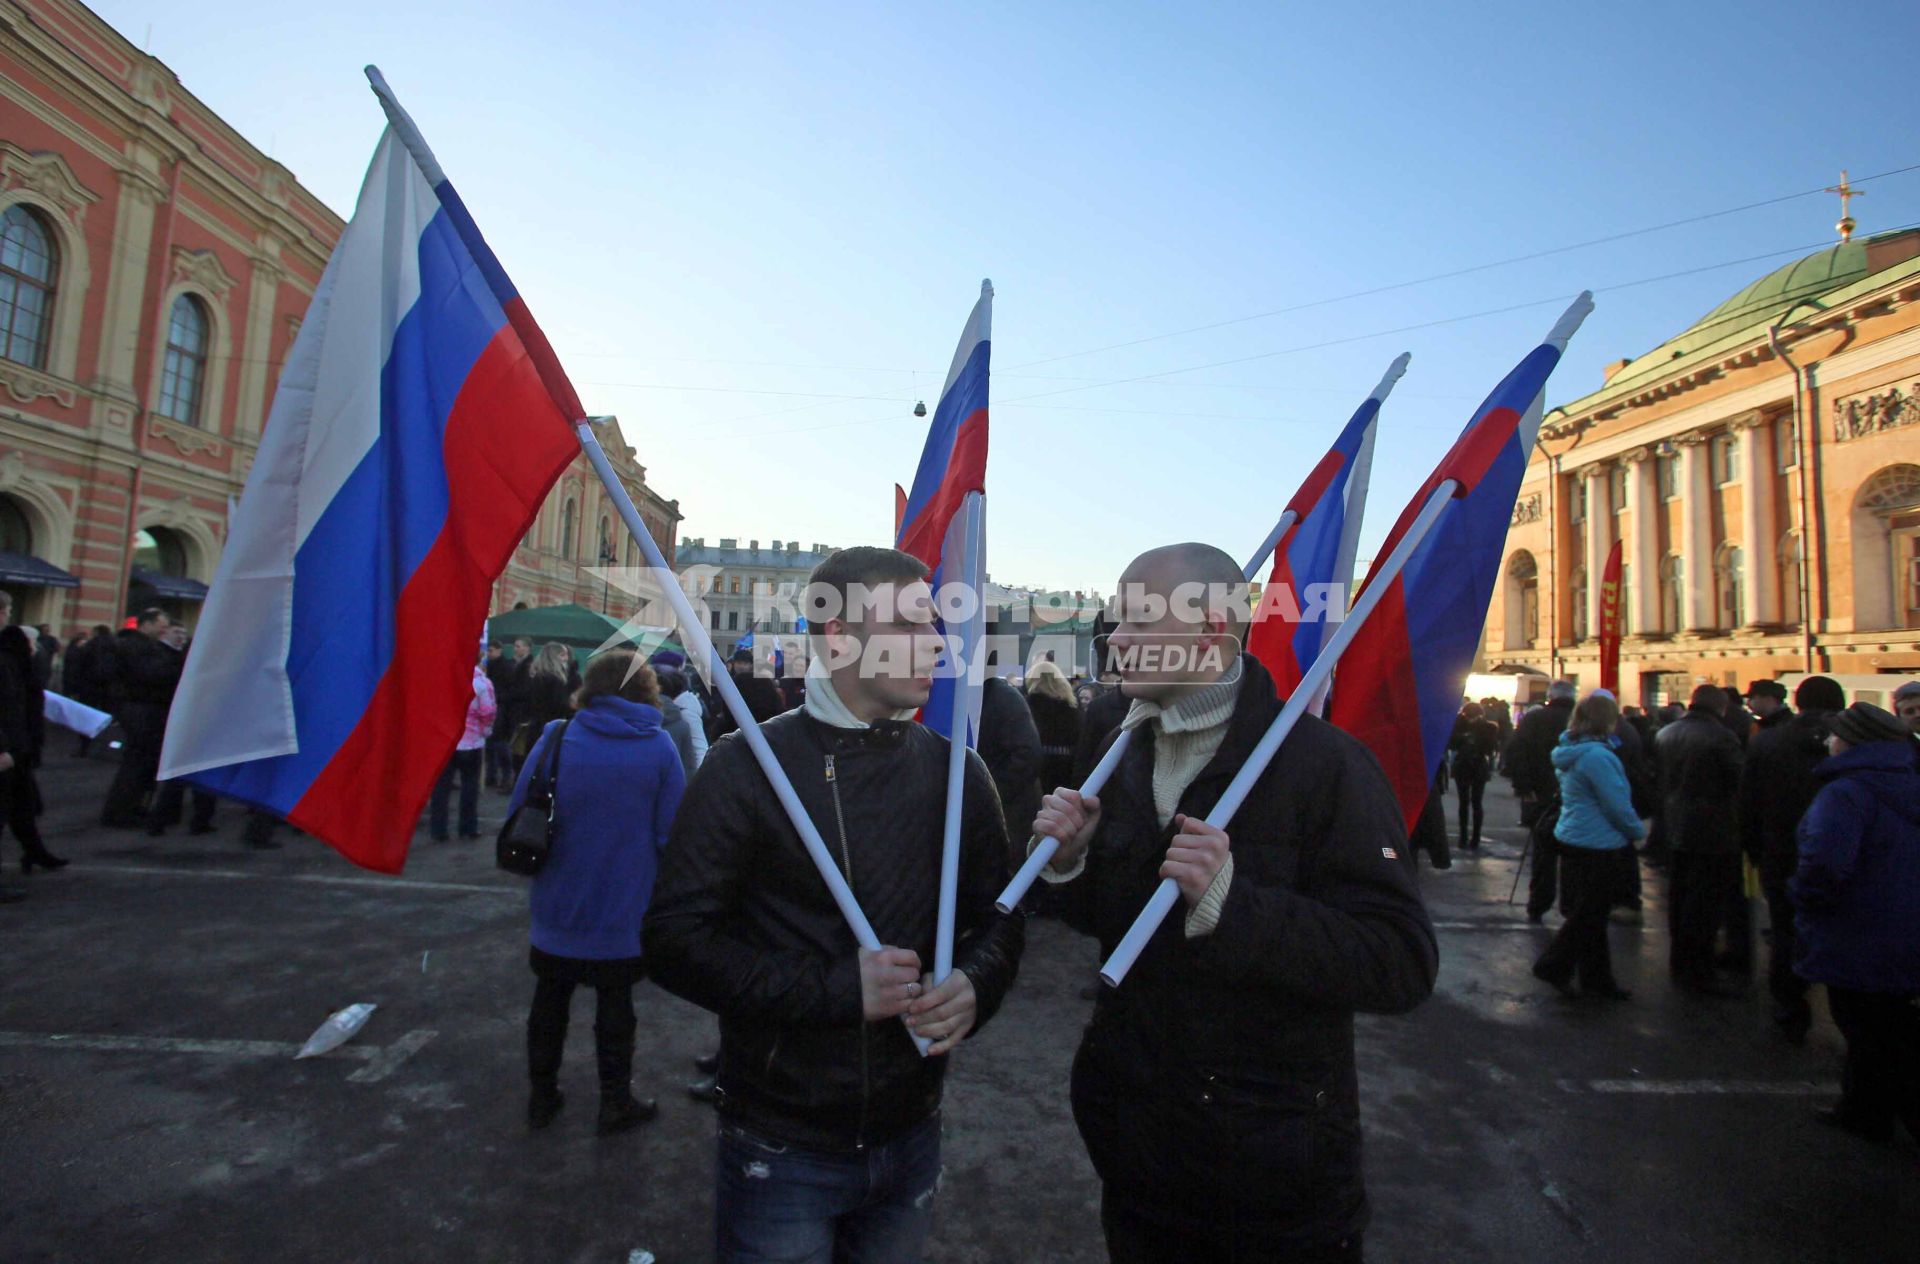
[527,835]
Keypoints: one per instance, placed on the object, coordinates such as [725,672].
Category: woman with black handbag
[614,780]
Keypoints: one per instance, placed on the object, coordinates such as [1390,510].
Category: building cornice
[1750,405]
[1850,304]
[146,107]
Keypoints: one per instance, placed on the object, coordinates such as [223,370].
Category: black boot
[546,1042]
[543,1104]
[619,1109]
[41,858]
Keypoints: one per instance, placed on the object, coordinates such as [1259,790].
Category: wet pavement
[154,992]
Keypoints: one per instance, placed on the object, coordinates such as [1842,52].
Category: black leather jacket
[741,923]
[1700,783]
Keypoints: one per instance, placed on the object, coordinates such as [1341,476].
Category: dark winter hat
[1560,691]
[1863,722]
[668,659]
[742,656]
[1909,690]
[1820,693]
[1767,689]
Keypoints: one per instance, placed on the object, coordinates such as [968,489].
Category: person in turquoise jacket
[1597,823]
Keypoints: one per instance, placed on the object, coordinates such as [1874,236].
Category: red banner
[1610,622]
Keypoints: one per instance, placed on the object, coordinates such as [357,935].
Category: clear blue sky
[754,231]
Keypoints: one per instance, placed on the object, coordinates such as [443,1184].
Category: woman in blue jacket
[1856,898]
[619,782]
[1597,823]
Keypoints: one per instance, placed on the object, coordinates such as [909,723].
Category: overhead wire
[1744,315]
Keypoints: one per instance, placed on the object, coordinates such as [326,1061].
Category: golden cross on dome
[1847,193]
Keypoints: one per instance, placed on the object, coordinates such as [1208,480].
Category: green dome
[1769,298]
[1775,292]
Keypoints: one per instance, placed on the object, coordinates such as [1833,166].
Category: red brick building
[154,267]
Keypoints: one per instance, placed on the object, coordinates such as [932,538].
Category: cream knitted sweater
[1187,735]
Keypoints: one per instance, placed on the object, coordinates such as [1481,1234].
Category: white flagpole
[698,643]
[1313,686]
[1040,848]
[965,685]
[403,126]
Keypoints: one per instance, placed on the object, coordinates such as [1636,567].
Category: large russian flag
[1400,681]
[1316,552]
[418,424]
[936,525]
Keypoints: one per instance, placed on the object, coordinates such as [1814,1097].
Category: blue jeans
[775,1202]
[465,763]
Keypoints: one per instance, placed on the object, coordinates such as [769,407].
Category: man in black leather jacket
[1699,761]
[1215,1087]
[829,1117]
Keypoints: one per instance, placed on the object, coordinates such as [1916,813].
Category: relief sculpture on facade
[1863,415]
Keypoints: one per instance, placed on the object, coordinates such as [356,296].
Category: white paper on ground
[336,1031]
[77,716]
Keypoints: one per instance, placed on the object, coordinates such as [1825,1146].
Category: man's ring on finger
[913,989]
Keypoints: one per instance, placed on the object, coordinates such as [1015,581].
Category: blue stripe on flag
[968,396]
[374,533]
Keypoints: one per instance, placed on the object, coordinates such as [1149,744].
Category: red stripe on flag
[554,378]
[966,472]
[1467,462]
[1310,492]
[1374,697]
[1270,639]
[504,446]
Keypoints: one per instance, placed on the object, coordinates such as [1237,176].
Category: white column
[1696,547]
[254,346]
[122,316]
[1643,550]
[1599,539]
[1757,524]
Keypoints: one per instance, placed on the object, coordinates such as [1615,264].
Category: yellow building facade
[1761,471]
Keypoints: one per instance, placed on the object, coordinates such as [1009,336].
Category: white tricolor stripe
[237,705]
[978,329]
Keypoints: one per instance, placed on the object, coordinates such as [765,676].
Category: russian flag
[418,424]
[1400,681]
[1316,552]
[937,524]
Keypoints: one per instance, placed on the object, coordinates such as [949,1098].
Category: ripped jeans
[779,1202]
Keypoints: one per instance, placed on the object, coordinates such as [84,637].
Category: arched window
[1523,601]
[1886,549]
[16,529]
[1621,598]
[1730,583]
[1673,582]
[568,513]
[1787,556]
[183,381]
[607,556]
[159,550]
[29,269]
[1581,628]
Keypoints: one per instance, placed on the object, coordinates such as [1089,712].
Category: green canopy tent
[580,629]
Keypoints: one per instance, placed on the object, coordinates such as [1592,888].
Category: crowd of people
[1216,1092]
[1812,804]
